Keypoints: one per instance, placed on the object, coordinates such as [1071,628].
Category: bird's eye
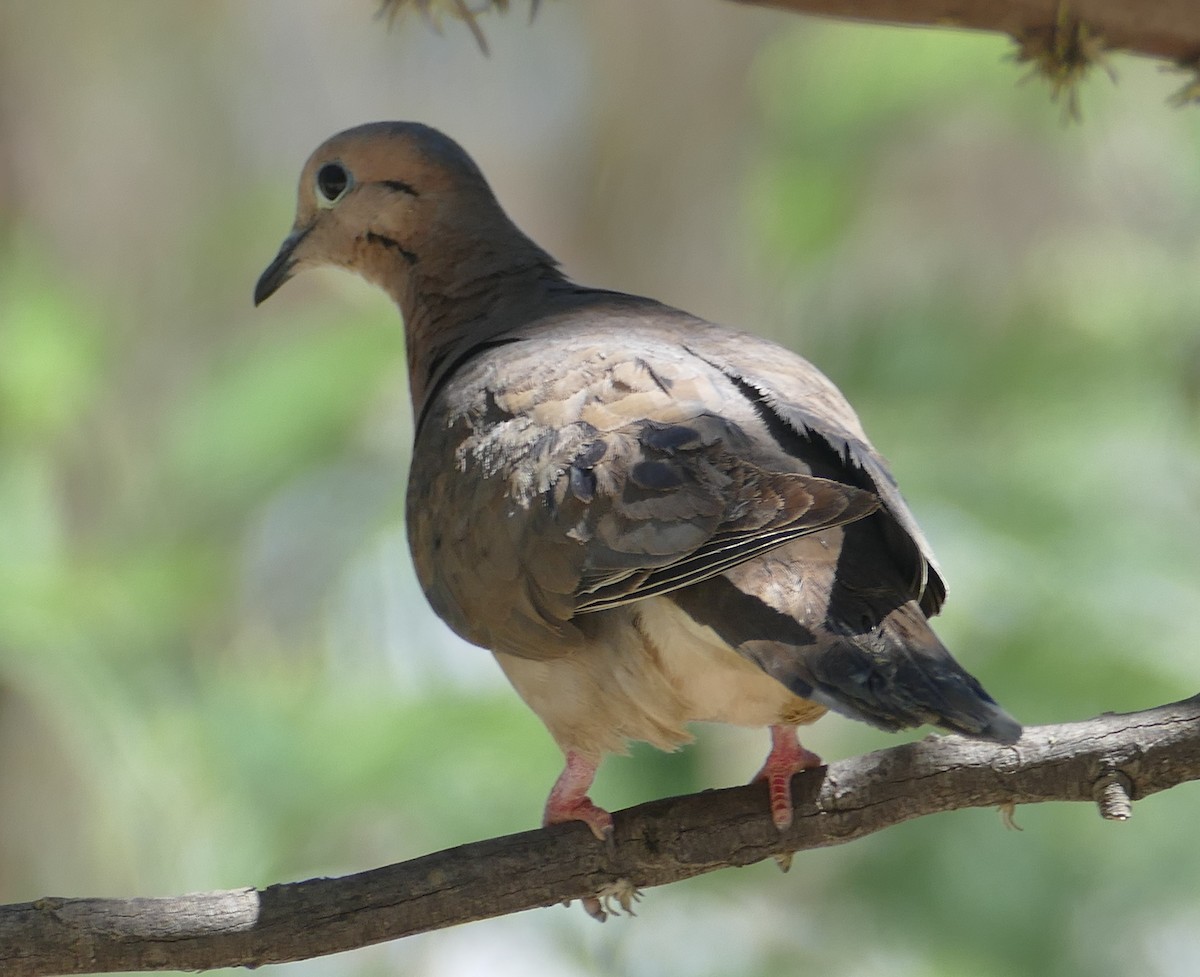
[332,182]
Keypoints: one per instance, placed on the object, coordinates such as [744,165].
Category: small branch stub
[1113,793]
[1063,53]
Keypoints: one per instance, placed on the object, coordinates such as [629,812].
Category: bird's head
[380,199]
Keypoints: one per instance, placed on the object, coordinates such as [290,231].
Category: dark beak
[279,270]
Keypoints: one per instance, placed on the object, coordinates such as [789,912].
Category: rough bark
[1110,761]
[1159,28]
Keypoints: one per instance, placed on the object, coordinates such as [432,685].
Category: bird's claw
[614,899]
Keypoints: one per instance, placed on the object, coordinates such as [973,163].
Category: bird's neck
[452,309]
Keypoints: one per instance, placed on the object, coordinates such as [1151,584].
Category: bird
[649,519]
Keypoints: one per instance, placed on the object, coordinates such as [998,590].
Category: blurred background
[215,666]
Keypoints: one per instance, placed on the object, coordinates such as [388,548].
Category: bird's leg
[568,799]
[787,757]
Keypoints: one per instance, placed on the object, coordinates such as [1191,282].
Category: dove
[649,519]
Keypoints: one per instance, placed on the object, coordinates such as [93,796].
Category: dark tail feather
[899,675]
[894,675]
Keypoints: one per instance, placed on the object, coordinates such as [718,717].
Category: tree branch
[1111,761]
[1159,28]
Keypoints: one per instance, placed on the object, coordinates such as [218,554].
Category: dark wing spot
[583,483]
[668,437]
[591,454]
[655,475]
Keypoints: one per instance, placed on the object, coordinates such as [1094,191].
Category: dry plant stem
[1159,28]
[1109,761]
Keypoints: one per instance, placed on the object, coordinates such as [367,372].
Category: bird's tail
[865,652]
[898,674]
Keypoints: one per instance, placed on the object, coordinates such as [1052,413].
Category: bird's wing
[602,469]
[808,418]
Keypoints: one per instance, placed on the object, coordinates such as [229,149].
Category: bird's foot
[569,801]
[622,893]
[787,757]
[596,818]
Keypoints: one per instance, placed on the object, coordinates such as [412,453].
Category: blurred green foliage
[215,667]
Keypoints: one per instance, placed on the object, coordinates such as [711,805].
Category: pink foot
[568,799]
[787,757]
